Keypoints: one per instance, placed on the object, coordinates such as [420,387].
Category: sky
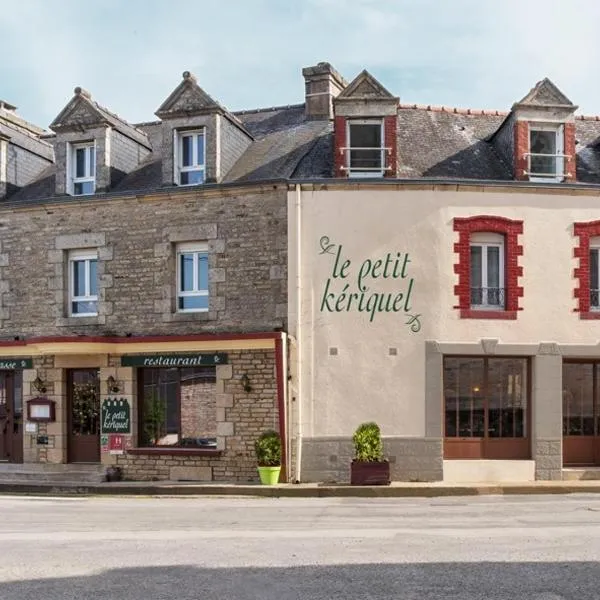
[130,54]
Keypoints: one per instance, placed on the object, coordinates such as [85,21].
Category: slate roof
[433,143]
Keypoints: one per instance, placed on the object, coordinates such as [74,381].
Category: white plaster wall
[363,381]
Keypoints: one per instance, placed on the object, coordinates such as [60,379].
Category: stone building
[171,289]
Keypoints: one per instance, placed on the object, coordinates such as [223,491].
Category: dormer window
[546,158]
[365,150]
[190,159]
[83,169]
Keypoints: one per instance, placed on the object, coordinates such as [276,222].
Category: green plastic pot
[269,475]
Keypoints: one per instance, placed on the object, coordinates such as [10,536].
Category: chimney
[323,83]
[7,107]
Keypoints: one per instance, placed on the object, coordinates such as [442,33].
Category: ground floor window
[177,407]
[486,407]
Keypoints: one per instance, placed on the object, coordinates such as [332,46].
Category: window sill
[590,316]
[74,321]
[189,316]
[170,451]
[506,315]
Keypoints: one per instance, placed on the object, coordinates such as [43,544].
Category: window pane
[543,142]
[203,270]
[463,397]
[78,277]
[594,300]
[186,150]
[198,407]
[92,161]
[365,136]
[200,149]
[193,303]
[80,162]
[476,275]
[82,307]
[186,272]
[507,397]
[578,399]
[191,177]
[85,393]
[93,277]
[82,188]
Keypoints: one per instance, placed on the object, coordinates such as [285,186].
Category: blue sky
[249,53]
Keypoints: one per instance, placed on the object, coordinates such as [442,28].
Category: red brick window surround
[583,273]
[389,127]
[510,229]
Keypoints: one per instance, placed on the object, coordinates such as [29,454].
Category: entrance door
[84,415]
[486,408]
[11,416]
[581,429]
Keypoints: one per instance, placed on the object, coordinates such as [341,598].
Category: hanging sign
[115,416]
[174,360]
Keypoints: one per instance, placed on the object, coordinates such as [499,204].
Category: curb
[291,491]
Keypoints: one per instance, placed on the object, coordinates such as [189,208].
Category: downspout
[299,346]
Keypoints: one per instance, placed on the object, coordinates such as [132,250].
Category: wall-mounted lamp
[245,381]
[39,385]
[112,384]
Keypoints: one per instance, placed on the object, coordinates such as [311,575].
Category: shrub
[368,446]
[268,449]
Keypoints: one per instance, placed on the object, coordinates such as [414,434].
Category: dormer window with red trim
[365,150]
[546,156]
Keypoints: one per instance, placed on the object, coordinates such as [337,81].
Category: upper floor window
[190,157]
[546,153]
[192,277]
[594,274]
[487,271]
[83,283]
[365,151]
[83,169]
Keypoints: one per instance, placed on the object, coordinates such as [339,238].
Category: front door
[11,416]
[486,408]
[83,415]
[581,426]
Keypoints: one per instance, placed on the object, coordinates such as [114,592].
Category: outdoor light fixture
[245,381]
[112,384]
[39,385]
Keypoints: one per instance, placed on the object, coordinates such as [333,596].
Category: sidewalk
[396,490]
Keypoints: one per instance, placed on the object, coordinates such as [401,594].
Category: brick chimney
[322,83]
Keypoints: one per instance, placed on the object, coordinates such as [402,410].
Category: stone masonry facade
[136,239]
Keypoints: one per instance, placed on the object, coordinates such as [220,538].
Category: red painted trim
[169,451]
[507,315]
[390,126]
[520,149]
[339,156]
[465,226]
[84,339]
[280,376]
[584,231]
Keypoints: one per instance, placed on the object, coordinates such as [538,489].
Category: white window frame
[194,248]
[560,156]
[358,172]
[72,165]
[86,256]
[594,247]
[486,240]
[195,166]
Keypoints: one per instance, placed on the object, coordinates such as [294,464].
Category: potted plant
[369,467]
[268,457]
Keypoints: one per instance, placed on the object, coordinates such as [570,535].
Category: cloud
[249,53]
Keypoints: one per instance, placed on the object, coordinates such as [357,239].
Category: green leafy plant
[368,446]
[268,449]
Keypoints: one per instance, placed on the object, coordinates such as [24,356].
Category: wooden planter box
[370,473]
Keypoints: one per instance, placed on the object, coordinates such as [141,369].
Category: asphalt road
[492,548]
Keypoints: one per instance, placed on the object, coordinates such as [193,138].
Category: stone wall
[136,238]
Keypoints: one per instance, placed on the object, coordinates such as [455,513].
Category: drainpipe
[299,346]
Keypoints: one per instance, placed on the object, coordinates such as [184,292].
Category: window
[486,407]
[365,151]
[587,269]
[192,277]
[190,157]
[83,283]
[594,274]
[487,271]
[83,169]
[178,407]
[487,266]
[546,153]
